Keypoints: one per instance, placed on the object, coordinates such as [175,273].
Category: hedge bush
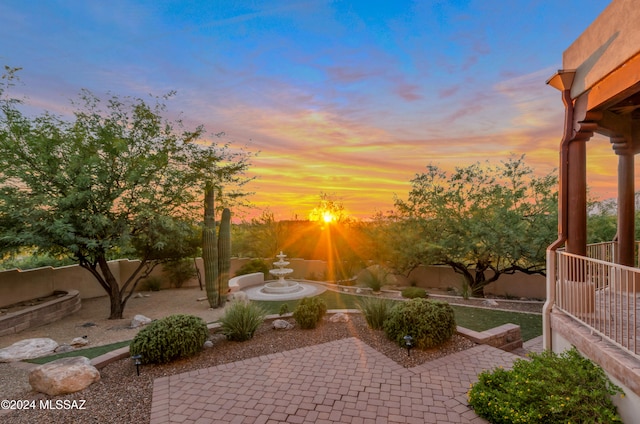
[169,338]
[241,320]
[550,388]
[414,292]
[254,265]
[309,312]
[429,322]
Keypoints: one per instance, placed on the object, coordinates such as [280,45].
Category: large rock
[139,321]
[281,324]
[66,375]
[339,317]
[79,342]
[28,349]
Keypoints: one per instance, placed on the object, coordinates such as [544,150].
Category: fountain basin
[282,287]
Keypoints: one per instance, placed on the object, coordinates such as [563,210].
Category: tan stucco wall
[17,286]
[443,277]
[605,45]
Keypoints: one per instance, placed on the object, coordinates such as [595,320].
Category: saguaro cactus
[210,247]
[224,254]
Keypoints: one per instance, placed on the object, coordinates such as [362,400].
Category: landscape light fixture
[137,362]
[408,341]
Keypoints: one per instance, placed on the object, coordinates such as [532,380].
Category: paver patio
[344,381]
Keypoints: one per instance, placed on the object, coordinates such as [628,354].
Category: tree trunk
[477,287]
[117,308]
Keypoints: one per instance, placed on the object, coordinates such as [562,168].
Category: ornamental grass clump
[241,320]
[375,311]
[550,388]
[430,323]
[309,312]
[169,338]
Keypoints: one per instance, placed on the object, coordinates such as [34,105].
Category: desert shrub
[374,278]
[413,292]
[550,388]
[179,271]
[284,309]
[151,284]
[429,322]
[254,265]
[375,311]
[169,338]
[309,312]
[34,261]
[241,320]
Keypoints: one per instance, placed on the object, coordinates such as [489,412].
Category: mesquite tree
[482,220]
[116,180]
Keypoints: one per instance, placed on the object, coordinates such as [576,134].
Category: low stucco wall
[517,285]
[37,315]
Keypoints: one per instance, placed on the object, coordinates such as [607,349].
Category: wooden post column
[626,208]
[577,198]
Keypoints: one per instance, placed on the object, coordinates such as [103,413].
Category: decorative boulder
[79,342]
[281,324]
[339,317]
[490,302]
[238,296]
[28,349]
[139,321]
[62,376]
[208,344]
[64,348]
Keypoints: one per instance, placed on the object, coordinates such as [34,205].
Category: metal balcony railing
[600,293]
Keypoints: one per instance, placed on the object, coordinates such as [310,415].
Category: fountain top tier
[281,262]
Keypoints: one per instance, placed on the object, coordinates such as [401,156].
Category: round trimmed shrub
[414,292]
[429,322]
[169,338]
[309,312]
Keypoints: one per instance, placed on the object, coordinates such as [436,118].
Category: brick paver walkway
[344,381]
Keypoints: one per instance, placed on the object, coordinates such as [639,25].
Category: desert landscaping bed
[122,396]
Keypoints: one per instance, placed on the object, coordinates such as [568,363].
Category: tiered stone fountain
[281,286]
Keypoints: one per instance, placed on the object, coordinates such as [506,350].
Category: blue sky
[345,97]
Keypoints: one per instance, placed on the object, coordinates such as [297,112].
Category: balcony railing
[599,293]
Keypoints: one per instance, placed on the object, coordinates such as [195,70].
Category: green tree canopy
[482,220]
[118,179]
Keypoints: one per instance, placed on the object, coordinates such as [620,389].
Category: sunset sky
[345,97]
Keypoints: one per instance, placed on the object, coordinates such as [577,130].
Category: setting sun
[328,217]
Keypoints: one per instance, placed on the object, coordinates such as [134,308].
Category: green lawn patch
[334,300]
[480,319]
[477,319]
[90,352]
